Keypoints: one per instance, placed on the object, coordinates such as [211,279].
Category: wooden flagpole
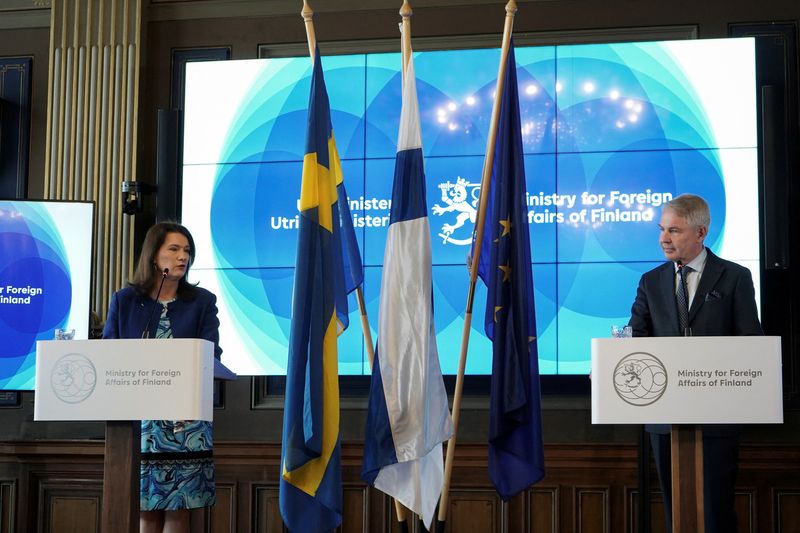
[511,10]
[308,19]
[405,36]
[405,48]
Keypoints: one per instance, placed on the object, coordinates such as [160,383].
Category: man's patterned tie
[682,296]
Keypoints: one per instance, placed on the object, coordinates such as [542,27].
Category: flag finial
[308,19]
[511,7]
[405,35]
[308,13]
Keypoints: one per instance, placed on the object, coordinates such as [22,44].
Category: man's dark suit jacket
[723,305]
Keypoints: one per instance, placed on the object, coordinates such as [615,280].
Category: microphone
[146,330]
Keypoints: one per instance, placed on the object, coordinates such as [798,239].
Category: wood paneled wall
[56,486]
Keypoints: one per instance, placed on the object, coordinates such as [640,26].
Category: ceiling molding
[164,10]
[22,14]
[23,5]
[24,19]
[605,35]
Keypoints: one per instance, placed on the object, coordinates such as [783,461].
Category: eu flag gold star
[506,269]
[496,309]
[506,226]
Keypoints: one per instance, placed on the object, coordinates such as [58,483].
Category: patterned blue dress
[177,470]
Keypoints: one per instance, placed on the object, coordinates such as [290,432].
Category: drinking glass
[64,334]
[621,332]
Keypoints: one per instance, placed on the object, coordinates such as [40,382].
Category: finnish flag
[408,417]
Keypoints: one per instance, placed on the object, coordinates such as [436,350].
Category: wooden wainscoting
[56,487]
[51,486]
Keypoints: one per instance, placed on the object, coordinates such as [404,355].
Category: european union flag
[311,485]
[516,451]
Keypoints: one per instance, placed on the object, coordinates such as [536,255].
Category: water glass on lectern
[621,332]
[64,334]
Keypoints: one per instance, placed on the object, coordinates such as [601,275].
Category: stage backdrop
[610,133]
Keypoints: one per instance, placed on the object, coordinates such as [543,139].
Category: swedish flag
[311,486]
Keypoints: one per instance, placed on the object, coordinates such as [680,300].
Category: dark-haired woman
[177,472]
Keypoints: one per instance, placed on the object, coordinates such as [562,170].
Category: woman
[177,472]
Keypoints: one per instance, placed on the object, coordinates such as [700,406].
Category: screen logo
[456,199]
[640,379]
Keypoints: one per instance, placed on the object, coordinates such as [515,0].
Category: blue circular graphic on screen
[43,294]
[35,285]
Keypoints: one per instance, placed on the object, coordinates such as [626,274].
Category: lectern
[686,381]
[123,382]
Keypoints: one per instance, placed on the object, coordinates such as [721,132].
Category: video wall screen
[610,132]
[45,277]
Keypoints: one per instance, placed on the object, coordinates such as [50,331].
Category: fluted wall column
[91,123]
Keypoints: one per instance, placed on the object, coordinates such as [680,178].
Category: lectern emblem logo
[73,378]
[640,379]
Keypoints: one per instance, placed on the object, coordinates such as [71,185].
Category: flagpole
[405,48]
[308,19]
[511,10]
[405,36]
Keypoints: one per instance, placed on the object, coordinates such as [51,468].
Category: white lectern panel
[124,379]
[687,380]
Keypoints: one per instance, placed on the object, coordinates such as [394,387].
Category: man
[717,298]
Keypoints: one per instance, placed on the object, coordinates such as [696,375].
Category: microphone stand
[146,330]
